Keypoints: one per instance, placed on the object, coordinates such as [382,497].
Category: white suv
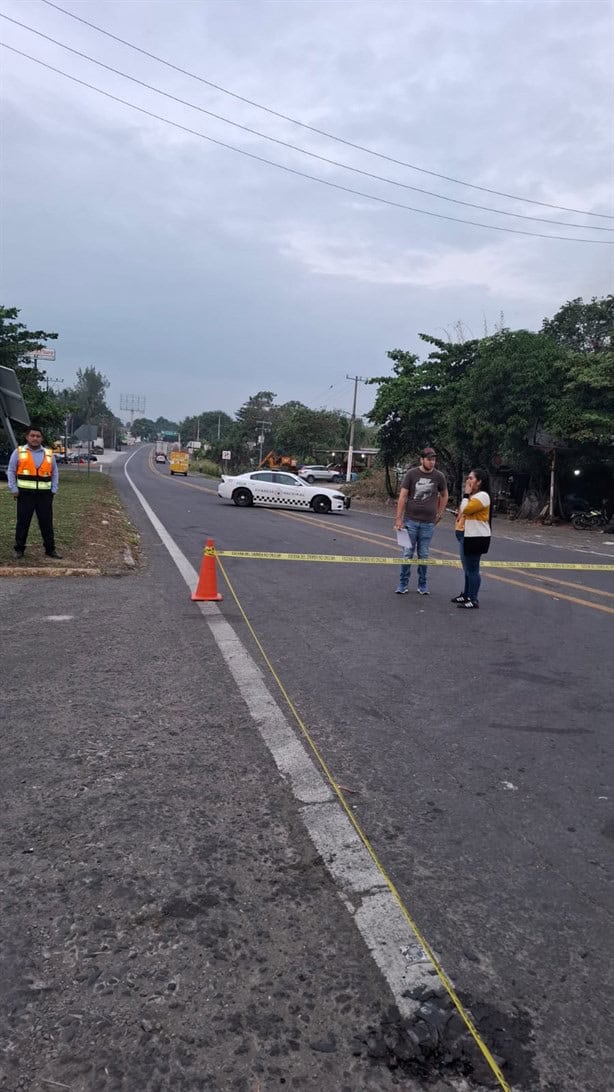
[319,474]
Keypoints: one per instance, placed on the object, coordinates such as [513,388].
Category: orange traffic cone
[206,590]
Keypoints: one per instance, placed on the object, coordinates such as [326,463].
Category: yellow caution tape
[261,555]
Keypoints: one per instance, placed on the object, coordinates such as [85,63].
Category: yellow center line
[376,538]
[191,485]
[570,584]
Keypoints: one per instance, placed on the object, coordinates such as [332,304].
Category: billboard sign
[43,354]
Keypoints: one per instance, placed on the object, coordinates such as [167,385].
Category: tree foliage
[481,401]
[17,344]
[583,327]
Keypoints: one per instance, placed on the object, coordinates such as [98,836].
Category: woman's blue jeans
[460,538]
[471,568]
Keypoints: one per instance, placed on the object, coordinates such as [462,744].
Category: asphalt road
[476,747]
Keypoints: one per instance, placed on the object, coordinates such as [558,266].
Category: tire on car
[310,478]
[242,498]
[321,505]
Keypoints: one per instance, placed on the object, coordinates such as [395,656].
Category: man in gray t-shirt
[422,503]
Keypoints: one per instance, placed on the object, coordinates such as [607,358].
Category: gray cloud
[194,276]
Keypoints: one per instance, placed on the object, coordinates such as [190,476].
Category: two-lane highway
[474,748]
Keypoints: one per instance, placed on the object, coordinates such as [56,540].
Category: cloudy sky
[193,275]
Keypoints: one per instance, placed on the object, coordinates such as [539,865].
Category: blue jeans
[460,538]
[420,535]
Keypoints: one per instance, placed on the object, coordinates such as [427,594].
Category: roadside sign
[226,455]
[11,398]
[43,354]
[87,433]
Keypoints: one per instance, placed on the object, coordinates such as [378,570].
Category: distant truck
[180,463]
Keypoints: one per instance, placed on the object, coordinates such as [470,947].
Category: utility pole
[261,425]
[356,379]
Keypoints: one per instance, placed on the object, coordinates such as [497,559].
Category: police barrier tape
[261,555]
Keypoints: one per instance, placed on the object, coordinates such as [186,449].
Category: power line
[314,129]
[295,147]
[293,170]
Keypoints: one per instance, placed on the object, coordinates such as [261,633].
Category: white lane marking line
[58,618]
[359,883]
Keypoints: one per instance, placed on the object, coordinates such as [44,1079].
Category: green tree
[17,343]
[583,327]
[88,395]
[145,428]
[205,426]
[308,433]
[583,409]
[506,393]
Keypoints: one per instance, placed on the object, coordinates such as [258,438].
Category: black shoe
[469,604]
[18,554]
[53,553]
[459,599]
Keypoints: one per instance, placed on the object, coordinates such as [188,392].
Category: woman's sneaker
[459,599]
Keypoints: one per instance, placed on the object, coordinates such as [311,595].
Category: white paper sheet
[403,538]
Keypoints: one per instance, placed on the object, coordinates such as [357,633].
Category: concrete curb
[39,570]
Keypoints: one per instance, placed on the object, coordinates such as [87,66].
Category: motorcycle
[592,518]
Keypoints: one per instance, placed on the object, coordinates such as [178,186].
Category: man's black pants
[30,501]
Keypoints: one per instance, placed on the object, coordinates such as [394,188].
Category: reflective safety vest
[28,475]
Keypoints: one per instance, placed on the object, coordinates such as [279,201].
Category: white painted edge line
[359,883]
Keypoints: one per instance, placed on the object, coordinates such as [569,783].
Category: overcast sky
[194,276]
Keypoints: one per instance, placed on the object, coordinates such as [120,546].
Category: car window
[263,476]
[287,479]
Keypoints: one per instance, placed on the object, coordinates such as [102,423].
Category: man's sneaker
[401,591]
[469,604]
[459,599]
[17,554]
[423,591]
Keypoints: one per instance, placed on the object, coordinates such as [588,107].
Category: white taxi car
[277,489]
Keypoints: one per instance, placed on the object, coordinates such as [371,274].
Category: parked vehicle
[279,490]
[180,463]
[592,518]
[319,474]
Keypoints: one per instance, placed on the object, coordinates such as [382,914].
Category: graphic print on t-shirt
[425,487]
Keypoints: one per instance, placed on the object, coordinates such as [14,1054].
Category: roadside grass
[206,467]
[92,528]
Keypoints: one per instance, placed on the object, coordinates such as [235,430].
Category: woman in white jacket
[474,523]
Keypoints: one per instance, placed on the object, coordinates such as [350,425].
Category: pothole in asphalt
[437,1044]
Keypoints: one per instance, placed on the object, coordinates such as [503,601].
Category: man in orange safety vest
[33,480]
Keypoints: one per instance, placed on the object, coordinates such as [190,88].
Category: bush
[205,466]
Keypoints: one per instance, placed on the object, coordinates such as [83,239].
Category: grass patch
[207,467]
[92,529]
